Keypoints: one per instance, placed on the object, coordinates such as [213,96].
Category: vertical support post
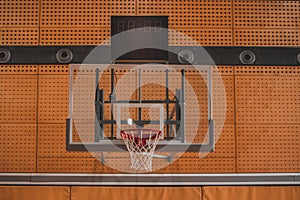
[178,110]
[97,108]
[211,136]
[70,121]
[101,114]
[182,107]
[112,98]
[140,96]
[68,135]
[167,103]
[209,90]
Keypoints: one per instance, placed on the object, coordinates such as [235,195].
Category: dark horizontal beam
[268,56]
[150,179]
[114,147]
[139,122]
[142,101]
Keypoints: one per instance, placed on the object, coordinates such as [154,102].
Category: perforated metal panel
[224,87]
[267,95]
[19,36]
[266,14]
[268,148]
[19,13]
[52,142]
[224,143]
[202,13]
[204,37]
[197,165]
[18,93]
[75,36]
[53,94]
[267,115]
[69,165]
[266,37]
[266,23]
[17,147]
[57,13]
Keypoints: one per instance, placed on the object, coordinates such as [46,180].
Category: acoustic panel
[205,165]
[75,36]
[57,13]
[268,148]
[267,95]
[200,37]
[19,36]
[19,13]
[53,94]
[18,147]
[18,93]
[191,14]
[69,165]
[52,142]
[266,37]
[266,14]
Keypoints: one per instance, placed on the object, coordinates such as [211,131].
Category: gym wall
[261,132]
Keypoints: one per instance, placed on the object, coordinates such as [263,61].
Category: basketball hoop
[141,144]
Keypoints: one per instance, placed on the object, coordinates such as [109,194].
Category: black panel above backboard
[139,38]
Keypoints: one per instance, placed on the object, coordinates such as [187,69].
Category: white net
[141,144]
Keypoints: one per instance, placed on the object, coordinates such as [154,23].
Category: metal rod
[178,110]
[182,106]
[142,101]
[70,131]
[174,122]
[69,134]
[112,100]
[167,103]
[101,113]
[209,90]
[140,94]
[211,135]
[167,158]
[97,107]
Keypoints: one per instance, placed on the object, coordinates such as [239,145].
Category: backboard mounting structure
[105,99]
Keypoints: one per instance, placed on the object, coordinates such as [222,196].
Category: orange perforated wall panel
[261,130]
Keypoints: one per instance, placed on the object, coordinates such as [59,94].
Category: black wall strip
[267,56]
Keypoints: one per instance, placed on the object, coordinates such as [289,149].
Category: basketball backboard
[176,99]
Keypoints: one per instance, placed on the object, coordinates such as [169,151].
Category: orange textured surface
[262,118]
[35,192]
[18,148]
[138,193]
[226,22]
[18,13]
[267,95]
[19,36]
[53,94]
[145,193]
[250,193]
[83,13]
[203,13]
[266,14]
[268,148]
[69,165]
[18,93]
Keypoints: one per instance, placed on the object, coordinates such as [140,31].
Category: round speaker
[4,55]
[186,56]
[247,57]
[64,56]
